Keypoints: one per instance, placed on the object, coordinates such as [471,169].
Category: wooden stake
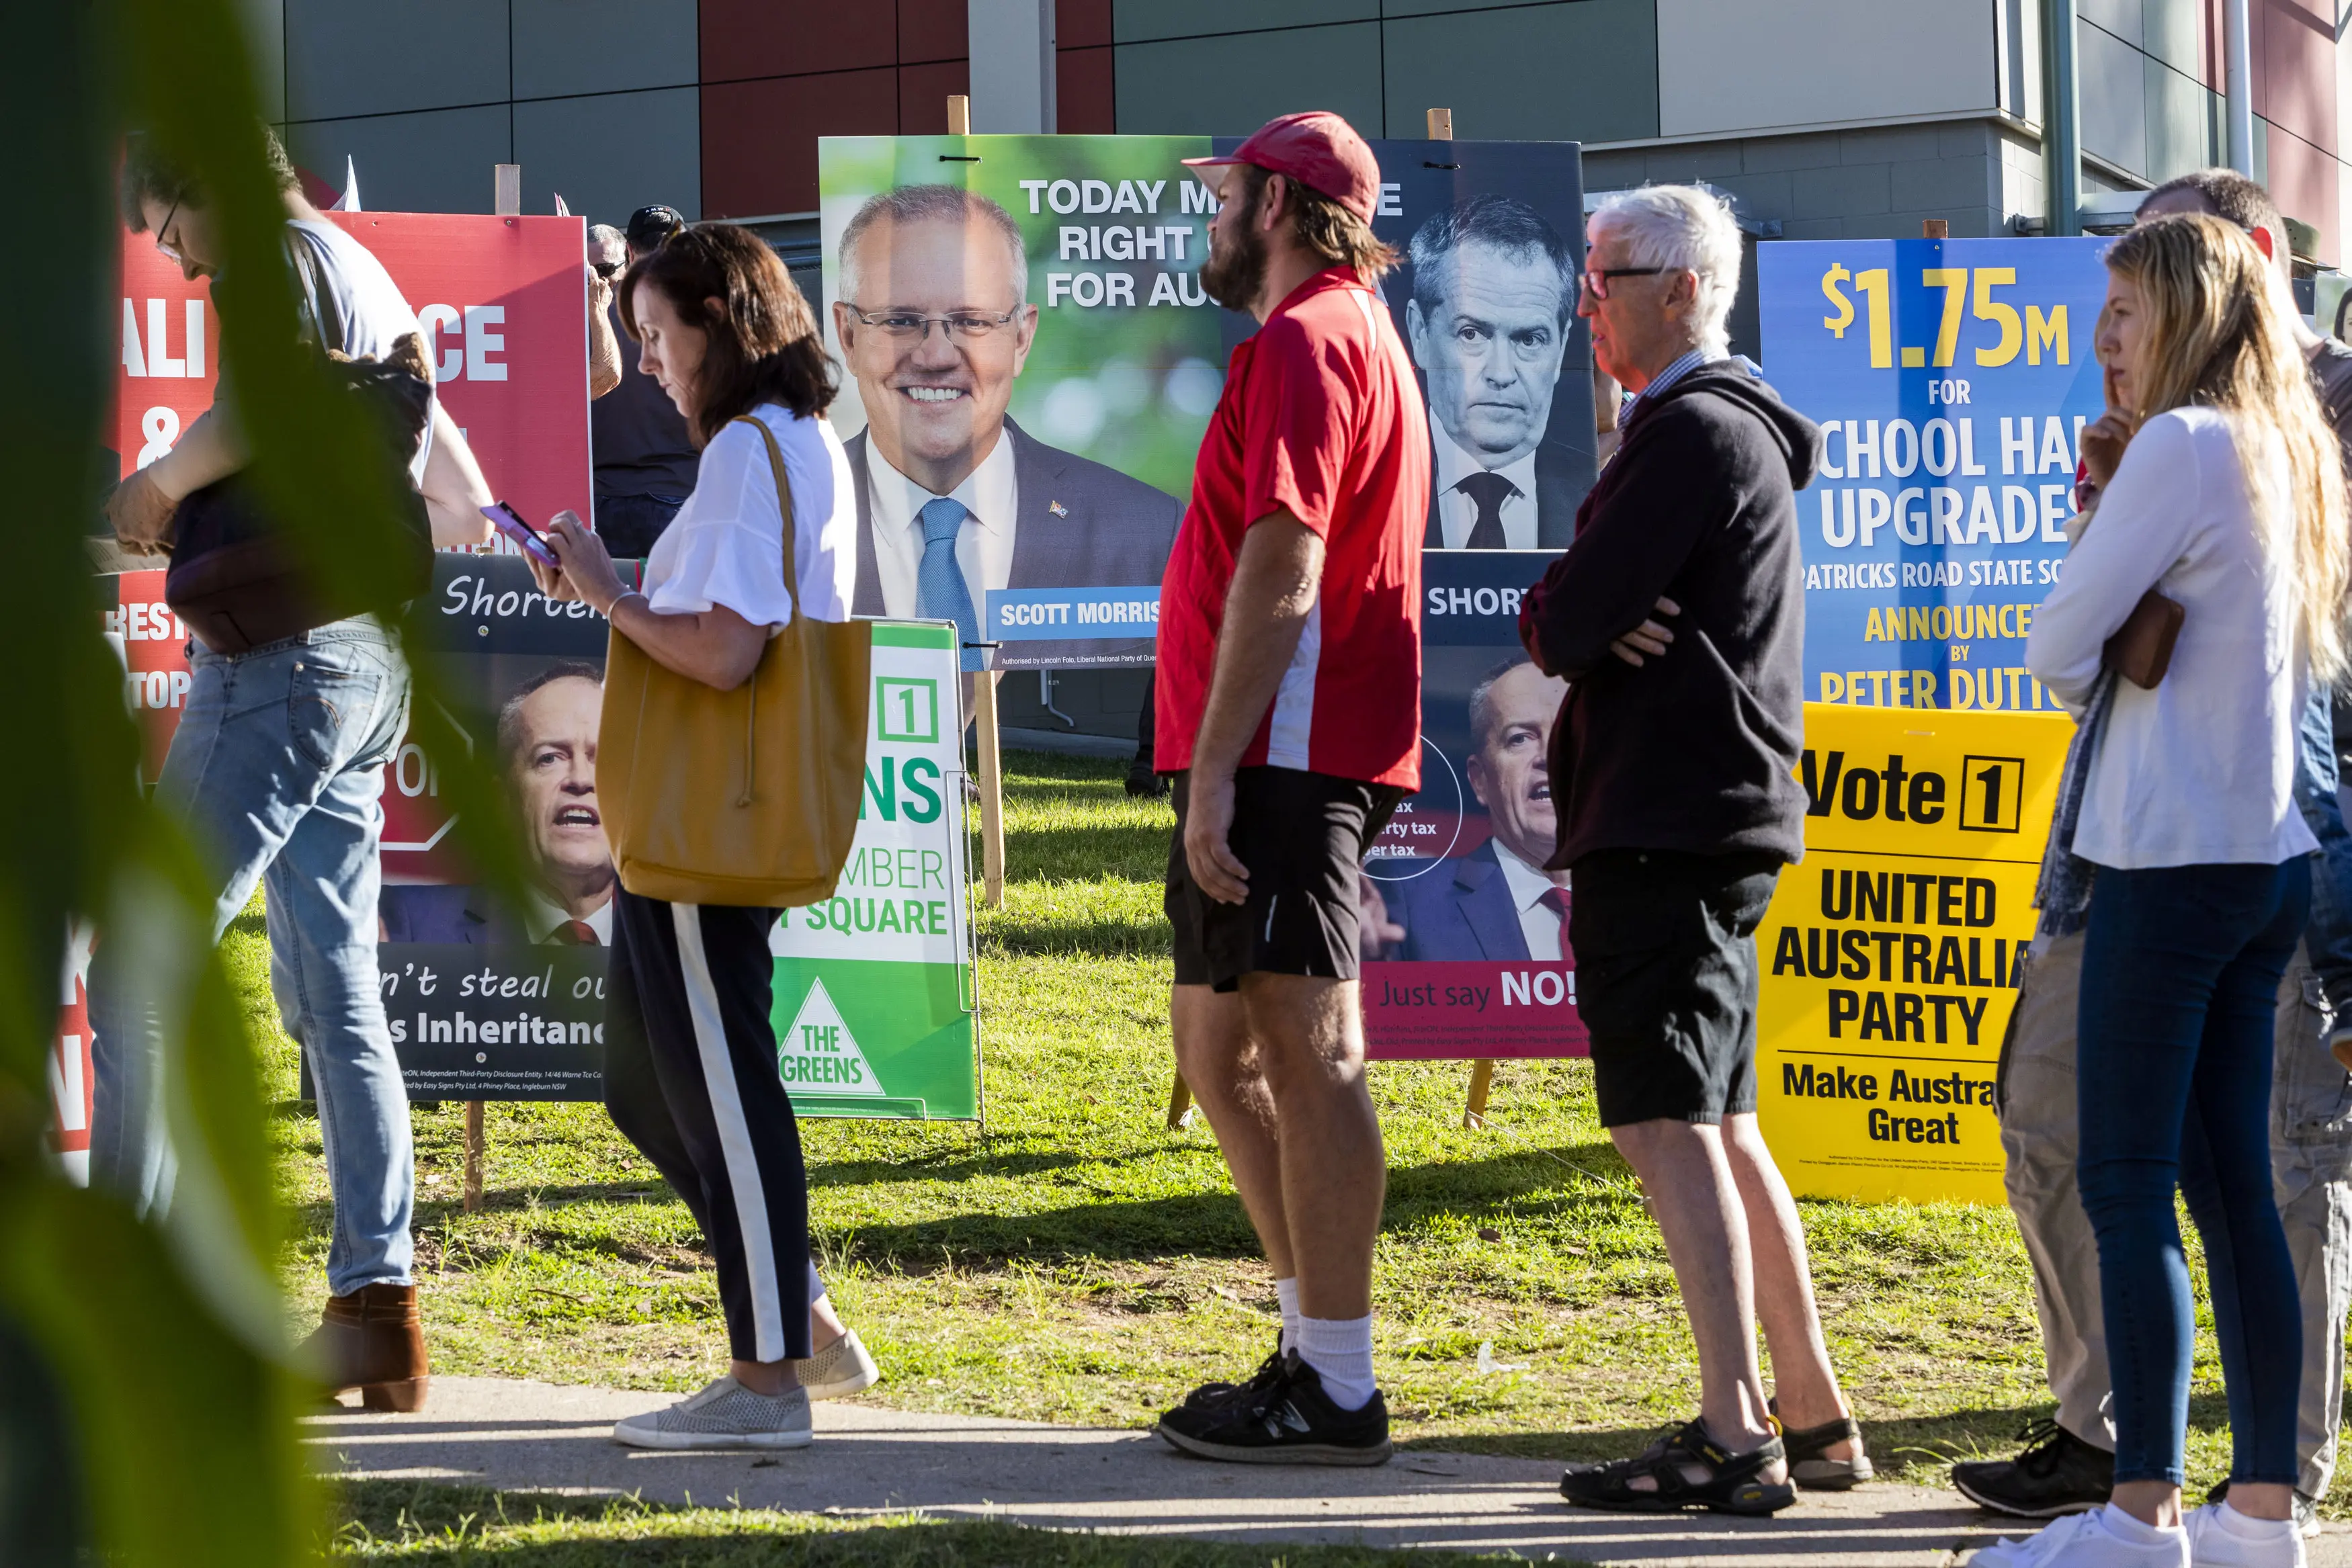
[1481,1074]
[1935,228]
[506,189]
[991,790]
[475,1147]
[1180,1104]
[1441,125]
[959,114]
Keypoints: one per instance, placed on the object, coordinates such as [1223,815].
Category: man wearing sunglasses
[954,499]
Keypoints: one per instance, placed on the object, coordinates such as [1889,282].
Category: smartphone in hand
[508,521]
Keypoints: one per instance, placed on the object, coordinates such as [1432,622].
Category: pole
[959,114]
[991,790]
[506,200]
[1482,1077]
[1441,125]
[2240,80]
[1180,1104]
[2062,120]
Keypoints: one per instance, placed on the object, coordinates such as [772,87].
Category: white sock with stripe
[1341,1352]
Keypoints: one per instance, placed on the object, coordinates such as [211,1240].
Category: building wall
[715,106]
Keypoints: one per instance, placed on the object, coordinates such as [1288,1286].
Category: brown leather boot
[373,1341]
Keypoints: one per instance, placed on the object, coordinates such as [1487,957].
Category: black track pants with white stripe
[690,1078]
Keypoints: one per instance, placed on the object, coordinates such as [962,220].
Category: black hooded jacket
[1693,751]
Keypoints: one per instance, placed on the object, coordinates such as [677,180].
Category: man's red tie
[580,934]
[1556,900]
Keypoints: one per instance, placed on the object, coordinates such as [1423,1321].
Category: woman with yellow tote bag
[731,752]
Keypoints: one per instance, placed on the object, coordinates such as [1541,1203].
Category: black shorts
[1301,836]
[1665,979]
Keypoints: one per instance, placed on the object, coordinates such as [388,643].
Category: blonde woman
[2221,491]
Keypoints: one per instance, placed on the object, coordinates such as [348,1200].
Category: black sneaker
[1221,1393]
[1288,1421]
[2058,1473]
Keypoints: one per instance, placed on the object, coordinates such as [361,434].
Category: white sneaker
[724,1416]
[2221,1537]
[2085,1541]
[839,1370]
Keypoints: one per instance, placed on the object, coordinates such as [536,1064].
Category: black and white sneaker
[1219,1393]
[1285,1420]
[2057,1474]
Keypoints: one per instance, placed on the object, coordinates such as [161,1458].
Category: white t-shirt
[2202,769]
[360,313]
[726,544]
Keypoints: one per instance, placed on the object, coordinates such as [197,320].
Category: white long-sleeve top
[2201,770]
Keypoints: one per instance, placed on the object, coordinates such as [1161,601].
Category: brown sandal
[1808,1464]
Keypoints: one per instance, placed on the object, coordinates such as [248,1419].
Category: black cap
[649,227]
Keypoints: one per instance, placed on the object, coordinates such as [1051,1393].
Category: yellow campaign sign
[1889,956]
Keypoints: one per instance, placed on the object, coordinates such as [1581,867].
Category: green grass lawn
[1080,1263]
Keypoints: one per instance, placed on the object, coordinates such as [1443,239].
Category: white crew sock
[1341,1352]
[2124,1527]
[1286,1292]
[2246,1527]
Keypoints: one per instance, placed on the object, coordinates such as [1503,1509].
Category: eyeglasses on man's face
[1596,283]
[170,247]
[960,326]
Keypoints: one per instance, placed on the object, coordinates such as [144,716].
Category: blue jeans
[276,772]
[2329,938]
[2181,981]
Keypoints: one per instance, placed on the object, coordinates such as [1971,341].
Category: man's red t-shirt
[1320,415]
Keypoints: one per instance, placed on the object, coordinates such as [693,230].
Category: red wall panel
[932,30]
[746,38]
[2294,68]
[923,95]
[759,138]
[1083,104]
[1081,24]
[2303,182]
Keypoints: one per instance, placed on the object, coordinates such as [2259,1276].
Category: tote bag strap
[791,593]
[784,503]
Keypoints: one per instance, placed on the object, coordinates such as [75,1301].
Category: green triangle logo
[819,1056]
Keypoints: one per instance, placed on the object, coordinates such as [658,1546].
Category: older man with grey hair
[1677,805]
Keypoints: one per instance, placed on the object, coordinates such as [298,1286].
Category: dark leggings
[2180,977]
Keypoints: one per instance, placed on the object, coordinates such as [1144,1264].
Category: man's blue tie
[941,592]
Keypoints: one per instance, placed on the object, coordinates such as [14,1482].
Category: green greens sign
[874,988]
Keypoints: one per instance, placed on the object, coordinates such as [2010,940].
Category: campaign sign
[1467,954]
[1889,956]
[1952,380]
[490,1002]
[1028,343]
[503,305]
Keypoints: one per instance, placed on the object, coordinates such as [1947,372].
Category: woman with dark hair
[690,1048]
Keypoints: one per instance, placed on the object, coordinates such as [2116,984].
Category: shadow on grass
[425,1524]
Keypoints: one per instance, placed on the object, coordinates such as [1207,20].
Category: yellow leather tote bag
[747,797]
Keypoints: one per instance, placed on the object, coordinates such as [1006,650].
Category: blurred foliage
[1129,386]
[166,1433]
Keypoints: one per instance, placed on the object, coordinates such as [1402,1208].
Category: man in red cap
[1288,709]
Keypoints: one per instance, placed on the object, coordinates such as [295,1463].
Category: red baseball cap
[1318,149]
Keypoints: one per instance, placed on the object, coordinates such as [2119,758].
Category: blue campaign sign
[1072,614]
[1952,380]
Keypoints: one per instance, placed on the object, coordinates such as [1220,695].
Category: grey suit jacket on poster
[1081,525]
[1558,492]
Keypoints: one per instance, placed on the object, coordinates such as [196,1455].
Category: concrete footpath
[537,1436]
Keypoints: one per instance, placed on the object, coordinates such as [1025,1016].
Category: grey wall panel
[2115,97]
[1573,72]
[564,47]
[2180,123]
[1584,71]
[1734,66]
[344,58]
[2123,19]
[436,162]
[2173,31]
[613,153]
[1138,21]
[1209,87]
[264,24]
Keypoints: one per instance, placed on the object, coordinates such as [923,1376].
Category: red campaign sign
[72,1096]
[503,302]
[1467,1009]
